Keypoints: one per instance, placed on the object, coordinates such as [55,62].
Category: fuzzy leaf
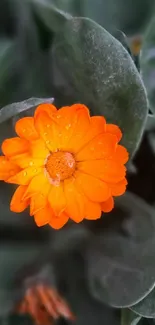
[53,17]
[103,76]
[148,63]
[120,265]
[12,110]
[146,307]
[129,318]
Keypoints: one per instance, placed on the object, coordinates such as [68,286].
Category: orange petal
[38,149]
[25,128]
[37,202]
[67,118]
[108,205]
[114,129]
[47,108]
[43,216]
[105,169]
[119,188]
[81,127]
[26,160]
[7,168]
[121,154]
[14,146]
[46,301]
[97,126]
[17,203]
[102,146]
[59,222]
[57,199]
[39,183]
[25,176]
[47,129]
[92,209]
[95,189]
[75,207]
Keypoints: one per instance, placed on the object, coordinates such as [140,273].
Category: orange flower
[66,163]
[43,303]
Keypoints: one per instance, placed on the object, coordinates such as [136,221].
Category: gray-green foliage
[146,307]
[148,64]
[112,14]
[92,67]
[50,13]
[120,264]
[129,318]
[103,76]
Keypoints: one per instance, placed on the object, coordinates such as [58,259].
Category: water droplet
[60,134]
[45,133]
[25,174]
[35,170]
[47,141]
[68,126]
[31,163]
[24,130]
[58,116]
[48,125]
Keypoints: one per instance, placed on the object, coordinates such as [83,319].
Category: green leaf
[148,63]
[53,17]
[146,307]
[12,110]
[120,262]
[129,318]
[103,76]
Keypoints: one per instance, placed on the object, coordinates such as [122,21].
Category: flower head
[66,163]
[43,303]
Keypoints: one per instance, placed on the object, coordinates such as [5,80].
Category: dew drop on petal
[25,173]
[45,133]
[48,125]
[68,126]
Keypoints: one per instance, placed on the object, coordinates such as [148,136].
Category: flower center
[60,165]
